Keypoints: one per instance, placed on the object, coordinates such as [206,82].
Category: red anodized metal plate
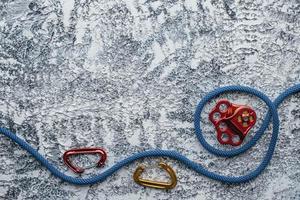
[232,121]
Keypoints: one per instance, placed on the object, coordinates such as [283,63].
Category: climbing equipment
[232,121]
[272,114]
[87,150]
[156,184]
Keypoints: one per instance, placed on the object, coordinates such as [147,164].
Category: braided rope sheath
[272,114]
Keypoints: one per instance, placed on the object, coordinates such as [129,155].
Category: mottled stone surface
[127,76]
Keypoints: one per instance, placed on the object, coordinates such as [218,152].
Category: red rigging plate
[232,121]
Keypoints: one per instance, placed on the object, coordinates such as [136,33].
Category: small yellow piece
[240,118]
[251,118]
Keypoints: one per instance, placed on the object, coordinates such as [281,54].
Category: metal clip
[92,150]
[156,184]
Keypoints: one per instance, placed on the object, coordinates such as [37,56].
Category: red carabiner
[88,150]
[232,121]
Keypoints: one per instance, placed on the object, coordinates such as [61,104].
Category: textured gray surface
[127,75]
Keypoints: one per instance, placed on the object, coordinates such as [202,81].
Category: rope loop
[271,115]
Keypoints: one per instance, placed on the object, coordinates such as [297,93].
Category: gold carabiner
[156,184]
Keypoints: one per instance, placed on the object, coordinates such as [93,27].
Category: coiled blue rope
[272,114]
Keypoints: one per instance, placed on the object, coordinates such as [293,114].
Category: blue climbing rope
[271,115]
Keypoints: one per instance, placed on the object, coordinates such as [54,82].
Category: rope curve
[272,114]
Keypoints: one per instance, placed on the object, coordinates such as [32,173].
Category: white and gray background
[127,75]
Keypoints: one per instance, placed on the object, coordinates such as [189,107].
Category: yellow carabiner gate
[156,184]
